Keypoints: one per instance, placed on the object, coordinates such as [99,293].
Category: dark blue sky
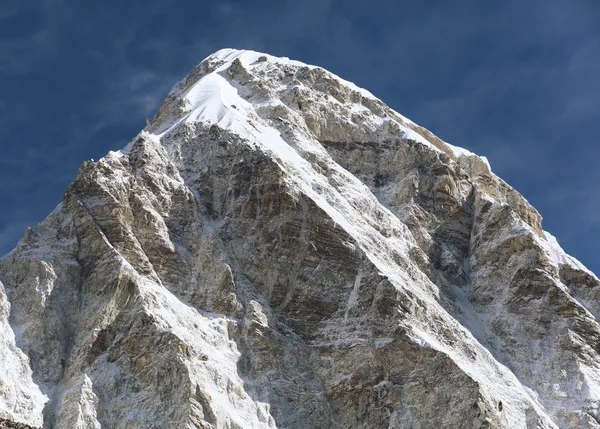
[516,81]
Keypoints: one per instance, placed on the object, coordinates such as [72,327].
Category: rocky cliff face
[280,249]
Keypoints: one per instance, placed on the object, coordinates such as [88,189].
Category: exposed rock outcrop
[278,248]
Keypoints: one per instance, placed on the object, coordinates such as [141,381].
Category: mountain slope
[278,248]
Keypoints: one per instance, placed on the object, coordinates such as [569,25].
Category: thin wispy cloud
[582,81]
[43,21]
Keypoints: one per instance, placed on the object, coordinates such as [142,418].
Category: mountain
[280,249]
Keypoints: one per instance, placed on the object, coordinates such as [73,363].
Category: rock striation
[280,249]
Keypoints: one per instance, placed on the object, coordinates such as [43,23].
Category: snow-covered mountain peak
[279,248]
[251,81]
[249,59]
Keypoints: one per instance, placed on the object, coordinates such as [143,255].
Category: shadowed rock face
[9,424]
[278,248]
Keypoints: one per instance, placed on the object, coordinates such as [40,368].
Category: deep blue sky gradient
[516,81]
